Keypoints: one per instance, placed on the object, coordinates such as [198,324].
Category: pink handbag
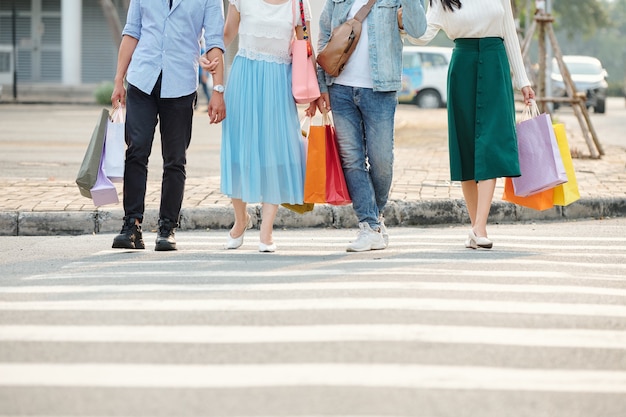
[303,75]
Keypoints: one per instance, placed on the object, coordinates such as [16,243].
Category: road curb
[397,213]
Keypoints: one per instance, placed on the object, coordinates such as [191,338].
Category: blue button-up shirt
[169,42]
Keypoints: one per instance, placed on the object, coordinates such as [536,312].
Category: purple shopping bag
[540,160]
[103,192]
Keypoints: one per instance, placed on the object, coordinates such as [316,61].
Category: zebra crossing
[425,328]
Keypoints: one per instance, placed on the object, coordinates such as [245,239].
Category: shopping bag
[113,163]
[315,177]
[88,171]
[305,124]
[103,192]
[542,200]
[336,188]
[540,160]
[567,193]
[304,83]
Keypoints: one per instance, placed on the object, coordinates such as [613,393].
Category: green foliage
[581,16]
[573,17]
[103,93]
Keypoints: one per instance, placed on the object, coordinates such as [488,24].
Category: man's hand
[209,65]
[118,97]
[217,108]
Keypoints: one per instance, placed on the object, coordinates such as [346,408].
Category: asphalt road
[535,327]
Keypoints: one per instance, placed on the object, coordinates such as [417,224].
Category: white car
[425,76]
[589,77]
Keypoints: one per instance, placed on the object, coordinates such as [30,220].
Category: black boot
[165,235]
[130,237]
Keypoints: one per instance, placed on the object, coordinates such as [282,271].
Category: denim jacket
[385,40]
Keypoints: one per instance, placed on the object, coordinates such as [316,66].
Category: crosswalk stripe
[339,304]
[552,337]
[318,374]
[322,286]
[409,246]
[402,234]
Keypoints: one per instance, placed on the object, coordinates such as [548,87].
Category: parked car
[425,76]
[588,75]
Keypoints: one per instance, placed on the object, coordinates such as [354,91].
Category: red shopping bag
[324,181]
[336,188]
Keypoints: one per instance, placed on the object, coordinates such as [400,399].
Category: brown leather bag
[342,42]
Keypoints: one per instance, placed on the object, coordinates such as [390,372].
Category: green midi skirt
[481,112]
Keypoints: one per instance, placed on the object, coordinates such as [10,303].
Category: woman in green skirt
[481,111]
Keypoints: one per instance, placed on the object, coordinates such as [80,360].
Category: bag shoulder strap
[364,11]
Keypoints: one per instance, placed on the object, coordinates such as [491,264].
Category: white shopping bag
[115,143]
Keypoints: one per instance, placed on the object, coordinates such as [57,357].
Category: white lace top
[266,30]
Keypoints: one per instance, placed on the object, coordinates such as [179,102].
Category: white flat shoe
[479,241]
[235,242]
[267,248]
[470,244]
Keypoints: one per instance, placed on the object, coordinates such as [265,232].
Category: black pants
[175,116]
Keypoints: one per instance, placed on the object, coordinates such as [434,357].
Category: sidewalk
[36,203]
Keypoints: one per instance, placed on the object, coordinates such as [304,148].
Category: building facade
[64,42]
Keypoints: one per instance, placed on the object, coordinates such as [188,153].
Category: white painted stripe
[319,304]
[317,374]
[552,337]
[359,268]
[417,245]
[400,234]
[321,286]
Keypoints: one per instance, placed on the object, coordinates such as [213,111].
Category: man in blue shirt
[158,57]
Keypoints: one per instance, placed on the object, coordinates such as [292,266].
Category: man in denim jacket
[363,99]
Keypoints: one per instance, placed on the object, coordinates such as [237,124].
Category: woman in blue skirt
[261,145]
[481,112]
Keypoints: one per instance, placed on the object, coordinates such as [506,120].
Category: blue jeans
[364,122]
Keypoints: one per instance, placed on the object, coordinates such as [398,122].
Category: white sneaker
[383,230]
[367,239]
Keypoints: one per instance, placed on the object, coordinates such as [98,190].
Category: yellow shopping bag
[567,193]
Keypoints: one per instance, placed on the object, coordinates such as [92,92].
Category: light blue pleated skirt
[261,154]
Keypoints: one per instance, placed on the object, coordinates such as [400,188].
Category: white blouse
[479,19]
[266,30]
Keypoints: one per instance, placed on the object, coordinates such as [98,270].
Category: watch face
[219,88]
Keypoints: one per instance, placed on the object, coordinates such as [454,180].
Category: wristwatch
[219,88]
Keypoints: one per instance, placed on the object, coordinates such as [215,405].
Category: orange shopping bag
[315,176]
[539,201]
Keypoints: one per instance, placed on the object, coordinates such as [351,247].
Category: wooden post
[543,22]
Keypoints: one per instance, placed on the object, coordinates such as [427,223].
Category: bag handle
[363,11]
[530,111]
[309,49]
[118,114]
[305,126]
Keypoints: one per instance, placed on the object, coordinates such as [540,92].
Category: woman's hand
[312,109]
[529,94]
[323,103]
